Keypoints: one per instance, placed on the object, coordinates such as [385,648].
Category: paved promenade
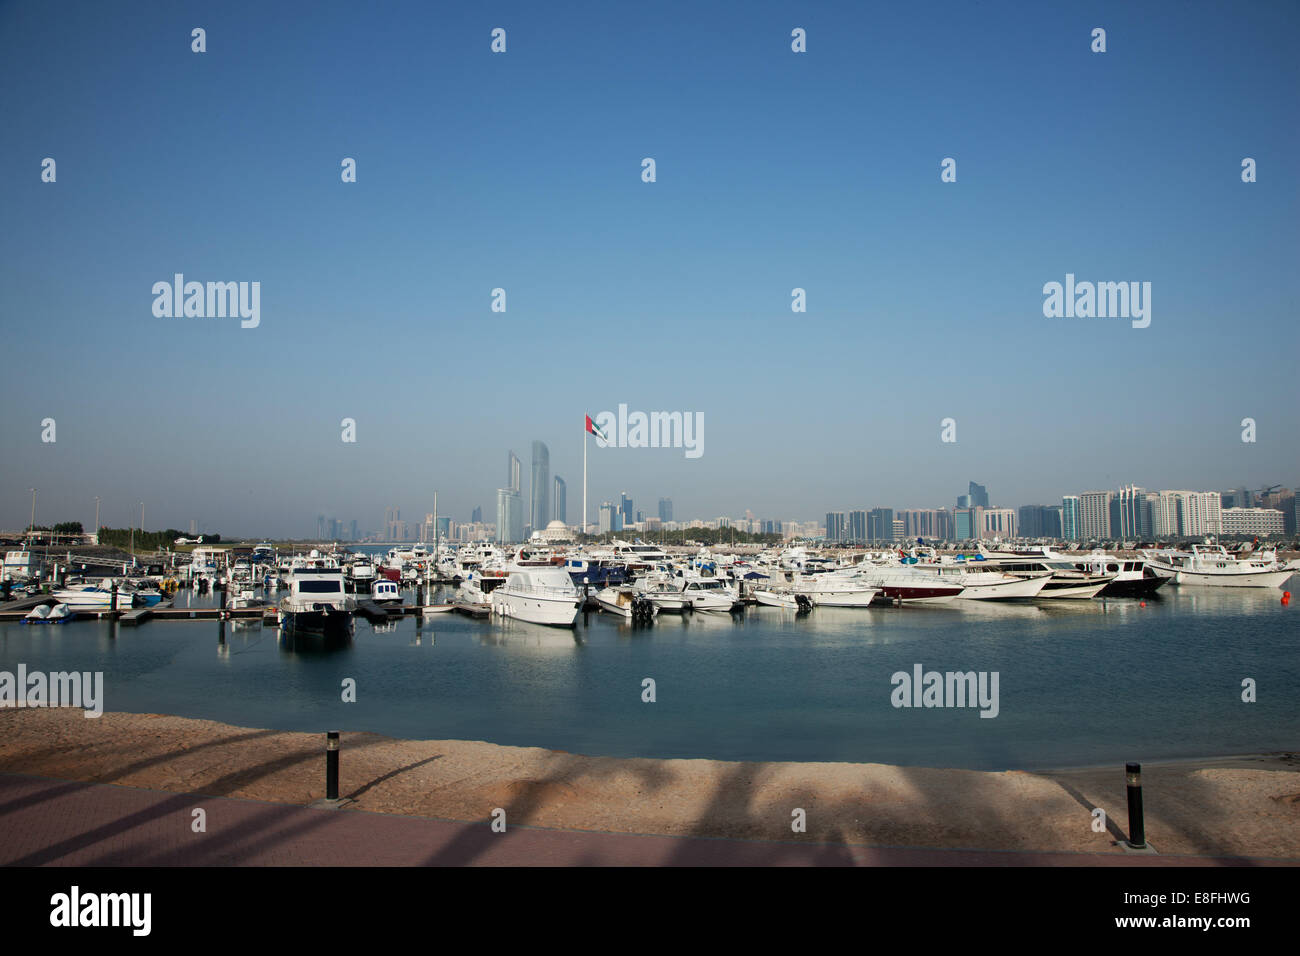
[65,823]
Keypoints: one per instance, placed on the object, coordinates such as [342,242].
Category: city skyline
[823,175]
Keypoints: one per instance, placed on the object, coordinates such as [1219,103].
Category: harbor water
[1079,682]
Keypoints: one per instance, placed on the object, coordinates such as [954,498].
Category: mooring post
[1137,837]
[332,765]
[112,602]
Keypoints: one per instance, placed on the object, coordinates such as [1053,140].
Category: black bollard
[332,765]
[112,602]
[1137,837]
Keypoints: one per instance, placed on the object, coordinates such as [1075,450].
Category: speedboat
[830,591]
[788,600]
[95,597]
[1132,576]
[708,594]
[665,596]
[384,591]
[625,602]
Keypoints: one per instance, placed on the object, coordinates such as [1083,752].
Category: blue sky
[522,171]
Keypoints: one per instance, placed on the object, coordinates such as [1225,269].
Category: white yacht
[1213,566]
[538,595]
[1064,580]
[316,602]
[988,584]
[708,594]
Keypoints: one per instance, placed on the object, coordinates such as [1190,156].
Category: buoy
[1143,604]
[1286,598]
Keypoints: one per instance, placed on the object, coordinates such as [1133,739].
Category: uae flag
[596,430]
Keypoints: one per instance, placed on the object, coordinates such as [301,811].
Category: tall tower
[539,510]
[560,505]
[512,472]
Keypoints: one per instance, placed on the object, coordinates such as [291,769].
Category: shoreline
[1244,805]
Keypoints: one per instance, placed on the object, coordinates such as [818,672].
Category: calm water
[1080,682]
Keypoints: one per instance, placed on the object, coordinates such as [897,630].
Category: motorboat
[785,599]
[96,597]
[316,602]
[1213,566]
[384,591]
[626,602]
[1132,576]
[830,591]
[538,595]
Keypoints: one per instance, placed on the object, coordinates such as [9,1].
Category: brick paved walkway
[67,823]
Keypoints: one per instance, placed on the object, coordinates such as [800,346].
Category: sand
[1234,806]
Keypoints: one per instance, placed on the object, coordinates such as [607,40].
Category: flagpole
[584,479]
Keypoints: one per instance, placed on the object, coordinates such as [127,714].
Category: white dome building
[557,532]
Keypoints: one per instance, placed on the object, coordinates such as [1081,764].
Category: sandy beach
[1233,806]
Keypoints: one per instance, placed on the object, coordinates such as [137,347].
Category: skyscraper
[880,524]
[979,496]
[512,472]
[625,508]
[475,516]
[835,529]
[1070,518]
[539,512]
[665,509]
[1094,516]
[857,526]
[606,517]
[559,504]
[510,515]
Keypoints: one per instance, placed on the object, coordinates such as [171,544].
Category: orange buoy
[1143,604]
[1286,598]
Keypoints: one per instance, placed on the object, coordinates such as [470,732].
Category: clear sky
[522,170]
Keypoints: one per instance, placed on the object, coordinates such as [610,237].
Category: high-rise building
[1039,521]
[963,524]
[857,531]
[979,496]
[607,514]
[625,508]
[476,516]
[1070,518]
[963,501]
[539,505]
[354,530]
[1094,516]
[997,523]
[835,526]
[559,503]
[665,509]
[1253,521]
[1131,514]
[880,524]
[512,472]
[1201,513]
[510,516]
[933,523]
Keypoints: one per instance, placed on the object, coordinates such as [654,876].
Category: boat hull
[535,608]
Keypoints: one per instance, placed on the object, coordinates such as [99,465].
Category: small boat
[384,591]
[626,602]
[49,614]
[787,600]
